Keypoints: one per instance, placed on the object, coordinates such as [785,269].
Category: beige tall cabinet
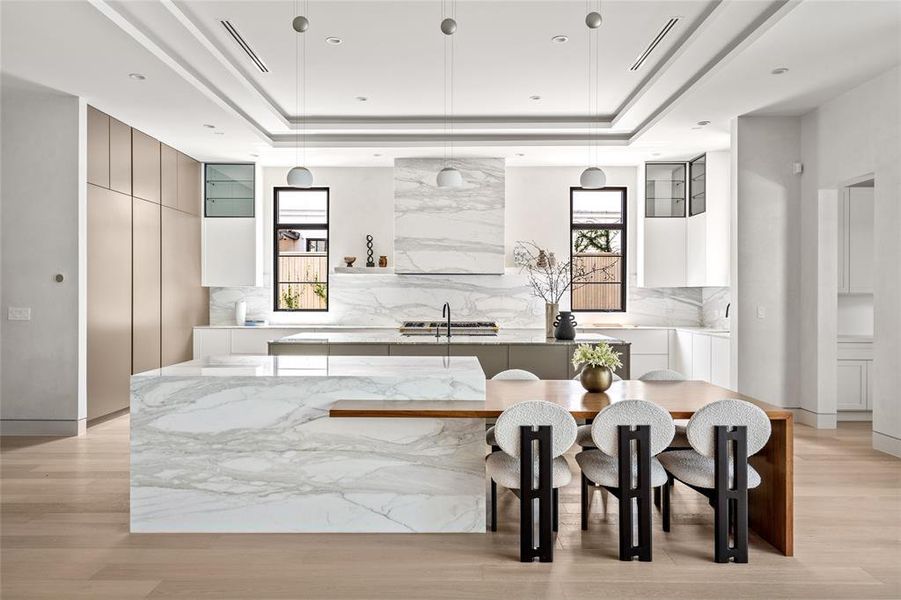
[144,281]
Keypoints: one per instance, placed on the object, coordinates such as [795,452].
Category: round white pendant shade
[300,177]
[593,178]
[449,177]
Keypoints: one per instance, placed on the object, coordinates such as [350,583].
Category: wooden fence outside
[602,289]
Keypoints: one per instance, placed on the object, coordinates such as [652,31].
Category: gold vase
[596,379]
[550,314]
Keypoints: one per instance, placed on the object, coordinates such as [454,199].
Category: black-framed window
[300,235]
[598,246]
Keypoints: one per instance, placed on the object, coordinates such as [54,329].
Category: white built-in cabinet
[854,376]
[701,355]
[855,241]
[233,226]
[691,247]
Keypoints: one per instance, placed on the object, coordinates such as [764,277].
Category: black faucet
[727,309]
[445,312]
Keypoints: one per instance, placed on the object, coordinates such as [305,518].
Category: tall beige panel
[146,320]
[98,147]
[119,156]
[189,196]
[169,176]
[109,301]
[185,303]
[145,156]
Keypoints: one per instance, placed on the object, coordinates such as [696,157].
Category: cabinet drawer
[255,341]
[851,390]
[548,362]
[358,349]
[211,342]
[644,341]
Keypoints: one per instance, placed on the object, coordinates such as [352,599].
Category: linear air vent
[654,43]
[245,46]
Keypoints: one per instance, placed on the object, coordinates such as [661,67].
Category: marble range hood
[449,230]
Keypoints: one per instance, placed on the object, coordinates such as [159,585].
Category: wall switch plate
[16,313]
[761,311]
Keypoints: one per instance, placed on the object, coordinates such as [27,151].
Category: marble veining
[245,444]
[514,337]
[713,307]
[449,230]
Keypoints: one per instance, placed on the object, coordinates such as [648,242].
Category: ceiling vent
[654,43]
[245,46]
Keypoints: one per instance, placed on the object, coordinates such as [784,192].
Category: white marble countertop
[393,336]
[586,329]
[239,365]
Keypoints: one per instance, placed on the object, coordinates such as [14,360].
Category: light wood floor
[65,535]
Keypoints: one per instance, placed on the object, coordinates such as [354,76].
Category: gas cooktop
[457,328]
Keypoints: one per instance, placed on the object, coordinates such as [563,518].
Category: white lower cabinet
[720,361]
[649,348]
[852,389]
[700,357]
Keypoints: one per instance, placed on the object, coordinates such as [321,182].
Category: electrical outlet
[761,311]
[16,313]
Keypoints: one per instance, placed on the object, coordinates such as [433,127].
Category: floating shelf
[365,270]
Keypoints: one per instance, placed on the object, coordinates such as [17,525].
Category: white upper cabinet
[232,225]
[685,236]
[855,246]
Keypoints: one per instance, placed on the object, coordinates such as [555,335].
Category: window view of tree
[598,231]
[301,249]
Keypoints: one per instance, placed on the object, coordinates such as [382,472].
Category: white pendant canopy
[449,177]
[593,178]
[300,177]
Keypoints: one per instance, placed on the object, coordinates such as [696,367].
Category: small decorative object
[349,260]
[550,312]
[383,261]
[369,261]
[549,281]
[565,324]
[597,365]
[551,259]
[240,312]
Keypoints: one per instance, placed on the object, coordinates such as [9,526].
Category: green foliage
[290,299]
[598,240]
[602,355]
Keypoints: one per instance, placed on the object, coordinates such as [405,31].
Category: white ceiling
[714,65]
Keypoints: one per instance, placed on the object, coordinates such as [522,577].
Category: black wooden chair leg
[586,503]
[657,497]
[665,505]
[626,518]
[493,505]
[556,501]
[740,553]
[721,528]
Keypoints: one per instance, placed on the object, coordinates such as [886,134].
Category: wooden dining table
[770,505]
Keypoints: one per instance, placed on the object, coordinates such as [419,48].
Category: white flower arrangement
[602,355]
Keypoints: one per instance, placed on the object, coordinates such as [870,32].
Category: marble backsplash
[713,307]
[449,230]
[386,300]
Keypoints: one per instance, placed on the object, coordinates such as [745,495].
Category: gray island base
[244,444]
[510,349]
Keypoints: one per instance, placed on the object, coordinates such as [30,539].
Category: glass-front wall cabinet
[697,173]
[228,190]
[665,189]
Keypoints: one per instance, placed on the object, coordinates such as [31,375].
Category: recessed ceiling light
[559,39]
[696,127]
[655,154]
[137,76]
[376,154]
[334,41]
[535,98]
[520,154]
[218,133]
[208,126]
[255,155]
[362,98]
[779,71]
[703,123]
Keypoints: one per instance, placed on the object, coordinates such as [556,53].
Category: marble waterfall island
[245,444]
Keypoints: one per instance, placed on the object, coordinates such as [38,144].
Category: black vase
[565,326]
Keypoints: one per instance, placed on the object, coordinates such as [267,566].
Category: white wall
[43,218]
[852,135]
[765,294]
[855,314]
[537,208]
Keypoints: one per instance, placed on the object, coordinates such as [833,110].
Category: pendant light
[300,176]
[448,177]
[593,178]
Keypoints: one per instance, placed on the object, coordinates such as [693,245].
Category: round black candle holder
[369,261]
